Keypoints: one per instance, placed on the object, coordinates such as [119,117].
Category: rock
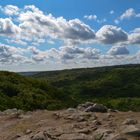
[16,137]
[87,104]
[93,117]
[84,131]
[29,113]
[13,113]
[112,110]
[40,136]
[75,136]
[71,110]
[76,117]
[80,125]
[116,137]
[56,115]
[56,131]
[130,122]
[91,107]
[120,138]
[28,131]
[132,130]
[102,134]
[82,107]
[1,113]
[96,122]
[96,108]
[109,115]
[10,111]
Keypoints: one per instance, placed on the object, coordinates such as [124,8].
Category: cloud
[38,58]
[34,23]
[134,37]
[8,28]
[116,21]
[118,50]
[34,50]
[95,18]
[31,27]
[110,34]
[50,41]
[10,10]
[90,17]
[65,53]
[17,41]
[112,12]
[129,13]
[70,52]
[10,54]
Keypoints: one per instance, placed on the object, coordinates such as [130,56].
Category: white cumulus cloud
[118,50]
[110,34]
[10,10]
[129,13]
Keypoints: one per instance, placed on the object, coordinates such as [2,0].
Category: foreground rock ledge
[89,121]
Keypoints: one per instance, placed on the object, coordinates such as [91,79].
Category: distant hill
[115,81]
[28,73]
[109,84]
[63,74]
[116,86]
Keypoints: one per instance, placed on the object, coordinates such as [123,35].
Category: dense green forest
[26,93]
[116,87]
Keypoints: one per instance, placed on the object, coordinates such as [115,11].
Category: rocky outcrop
[92,107]
[96,108]
[88,121]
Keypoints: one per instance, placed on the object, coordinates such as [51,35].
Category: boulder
[82,107]
[40,136]
[102,134]
[132,130]
[76,117]
[71,110]
[28,131]
[10,111]
[96,108]
[130,122]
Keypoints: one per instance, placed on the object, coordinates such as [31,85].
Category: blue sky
[60,34]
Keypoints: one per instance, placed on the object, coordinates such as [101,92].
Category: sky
[38,35]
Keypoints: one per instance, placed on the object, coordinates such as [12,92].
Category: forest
[116,87]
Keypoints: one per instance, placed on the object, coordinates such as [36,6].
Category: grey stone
[132,130]
[28,131]
[130,122]
[75,136]
[10,111]
[96,108]
[102,134]
[40,136]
